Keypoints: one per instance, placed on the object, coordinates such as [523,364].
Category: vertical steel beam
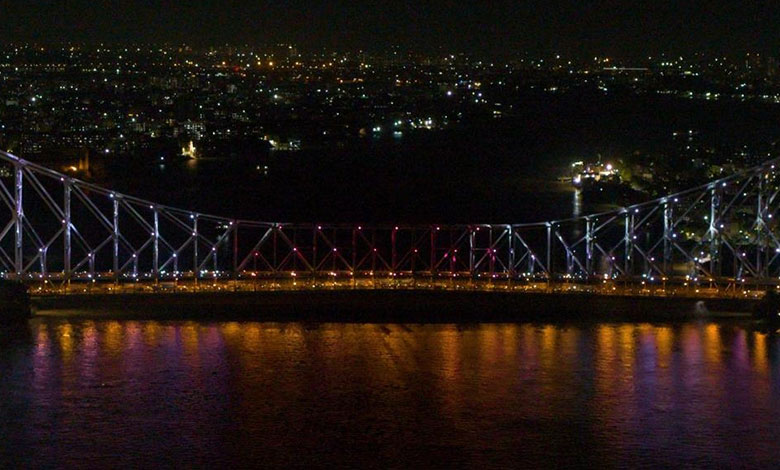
[18,219]
[67,226]
[760,226]
[589,246]
[549,249]
[332,253]
[314,231]
[511,234]
[277,228]
[195,264]
[628,242]
[235,249]
[214,253]
[373,253]
[44,252]
[412,250]
[354,251]
[491,253]
[156,245]
[451,255]
[714,232]
[115,236]
[394,253]
[472,249]
[668,235]
[433,250]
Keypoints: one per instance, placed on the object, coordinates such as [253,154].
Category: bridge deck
[509,286]
[390,305]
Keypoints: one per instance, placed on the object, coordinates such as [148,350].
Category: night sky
[615,27]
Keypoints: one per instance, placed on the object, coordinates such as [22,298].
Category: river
[108,393]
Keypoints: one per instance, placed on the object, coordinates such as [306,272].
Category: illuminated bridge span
[57,230]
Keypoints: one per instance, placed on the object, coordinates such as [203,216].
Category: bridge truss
[58,229]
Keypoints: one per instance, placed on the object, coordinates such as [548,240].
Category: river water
[105,393]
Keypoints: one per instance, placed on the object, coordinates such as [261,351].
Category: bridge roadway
[410,300]
[601,287]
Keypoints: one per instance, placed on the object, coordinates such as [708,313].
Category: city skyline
[624,29]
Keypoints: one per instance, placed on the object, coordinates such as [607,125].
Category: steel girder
[58,228]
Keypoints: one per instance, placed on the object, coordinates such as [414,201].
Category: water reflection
[576,206]
[299,394]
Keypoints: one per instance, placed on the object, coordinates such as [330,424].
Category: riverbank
[389,306]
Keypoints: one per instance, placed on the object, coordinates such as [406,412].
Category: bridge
[61,234]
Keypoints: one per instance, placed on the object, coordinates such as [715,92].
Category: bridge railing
[60,229]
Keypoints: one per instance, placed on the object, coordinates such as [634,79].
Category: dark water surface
[108,394]
[482,171]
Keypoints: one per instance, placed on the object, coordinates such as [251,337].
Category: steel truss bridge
[59,231]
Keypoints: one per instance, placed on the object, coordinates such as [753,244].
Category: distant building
[587,173]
